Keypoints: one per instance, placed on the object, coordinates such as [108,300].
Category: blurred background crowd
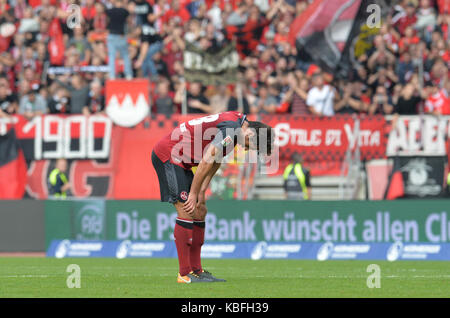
[53,62]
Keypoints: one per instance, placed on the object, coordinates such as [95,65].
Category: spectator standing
[297,95]
[426,20]
[96,99]
[151,41]
[321,97]
[8,101]
[219,99]
[233,102]
[79,93]
[58,103]
[265,103]
[381,102]
[405,18]
[197,103]
[352,100]
[408,101]
[437,102]
[405,68]
[81,44]
[32,104]
[164,99]
[160,65]
[177,12]
[117,40]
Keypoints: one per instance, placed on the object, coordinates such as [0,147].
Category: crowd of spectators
[405,71]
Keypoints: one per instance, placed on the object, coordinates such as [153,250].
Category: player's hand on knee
[190,204]
[201,208]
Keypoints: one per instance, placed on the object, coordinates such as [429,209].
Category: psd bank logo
[259,250]
[138,249]
[398,250]
[127,101]
[325,251]
[275,250]
[62,249]
[66,248]
[341,251]
[122,249]
[394,251]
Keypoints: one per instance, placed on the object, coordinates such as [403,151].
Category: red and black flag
[247,36]
[326,30]
[13,168]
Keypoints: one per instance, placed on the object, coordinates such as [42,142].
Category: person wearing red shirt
[408,19]
[437,102]
[177,11]
[203,143]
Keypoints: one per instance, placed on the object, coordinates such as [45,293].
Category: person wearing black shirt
[197,103]
[151,41]
[407,103]
[117,40]
[350,102]
[381,102]
[160,65]
[96,100]
[59,103]
[8,101]
[233,103]
[142,10]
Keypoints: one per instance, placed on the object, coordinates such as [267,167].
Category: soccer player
[201,142]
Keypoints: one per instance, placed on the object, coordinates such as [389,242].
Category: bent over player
[201,142]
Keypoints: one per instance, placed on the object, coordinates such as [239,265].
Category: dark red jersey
[187,143]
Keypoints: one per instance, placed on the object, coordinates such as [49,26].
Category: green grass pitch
[153,278]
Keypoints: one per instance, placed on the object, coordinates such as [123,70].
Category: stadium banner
[211,68]
[323,141]
[424,135]
[425,221]
[61,136]
[255,250]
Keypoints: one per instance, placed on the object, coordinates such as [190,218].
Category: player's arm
[206,182]
[205,168]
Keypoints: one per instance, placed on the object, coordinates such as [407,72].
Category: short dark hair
[264,136]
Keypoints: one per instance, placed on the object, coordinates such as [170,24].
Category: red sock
[183,242]
[198,238]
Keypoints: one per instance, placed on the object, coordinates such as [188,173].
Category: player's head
[257,136]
